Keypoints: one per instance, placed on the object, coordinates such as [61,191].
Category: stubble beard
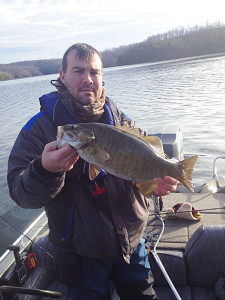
[86,99]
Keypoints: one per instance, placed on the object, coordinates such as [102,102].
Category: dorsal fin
[156,143]
[153,141]
[130,130]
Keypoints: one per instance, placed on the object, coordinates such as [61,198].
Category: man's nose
[87,78]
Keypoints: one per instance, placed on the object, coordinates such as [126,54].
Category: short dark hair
[83,51]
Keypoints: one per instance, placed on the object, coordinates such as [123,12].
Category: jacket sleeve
[30,185]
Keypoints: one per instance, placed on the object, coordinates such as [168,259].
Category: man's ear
[62,76]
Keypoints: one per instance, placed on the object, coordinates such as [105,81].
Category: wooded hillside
[177,43]
[29,68]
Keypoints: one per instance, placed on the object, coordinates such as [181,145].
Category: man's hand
[58,160]
[165,185]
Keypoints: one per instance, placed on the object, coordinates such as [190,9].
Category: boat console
[172,140]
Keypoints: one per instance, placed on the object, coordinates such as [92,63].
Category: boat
[187,256]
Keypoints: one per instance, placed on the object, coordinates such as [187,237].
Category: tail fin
[186,178]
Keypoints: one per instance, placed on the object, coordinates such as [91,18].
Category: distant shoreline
[135,65]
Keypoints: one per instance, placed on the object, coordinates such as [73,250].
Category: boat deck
[178,231]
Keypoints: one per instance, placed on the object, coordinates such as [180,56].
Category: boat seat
[195,271]
[42,277]
[205,258]
[174,263]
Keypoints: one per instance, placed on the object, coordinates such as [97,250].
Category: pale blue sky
[39,29]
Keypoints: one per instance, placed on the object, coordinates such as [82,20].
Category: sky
[44,29]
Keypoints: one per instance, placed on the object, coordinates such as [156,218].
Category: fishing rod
[155,243]
[197,210]
[23,234]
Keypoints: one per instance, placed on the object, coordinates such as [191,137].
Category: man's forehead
[92,59]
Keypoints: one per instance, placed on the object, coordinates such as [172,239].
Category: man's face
[83,78]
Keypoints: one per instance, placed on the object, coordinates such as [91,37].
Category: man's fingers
[165,185]
[171,180]
[66,151]
[167,180]
[58,160]
[51,146]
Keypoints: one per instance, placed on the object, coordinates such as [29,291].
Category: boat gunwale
[7,258]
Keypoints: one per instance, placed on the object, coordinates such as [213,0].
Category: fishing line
[24,235]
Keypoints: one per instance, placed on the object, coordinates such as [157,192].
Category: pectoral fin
[100,154]
[146,188]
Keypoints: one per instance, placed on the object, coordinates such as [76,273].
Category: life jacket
[53,106]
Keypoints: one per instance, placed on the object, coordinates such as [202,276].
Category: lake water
[187,93]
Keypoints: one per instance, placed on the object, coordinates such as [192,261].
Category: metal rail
[215,176]
[155,243]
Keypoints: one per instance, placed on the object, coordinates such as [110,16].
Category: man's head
[82,73]
[83,52]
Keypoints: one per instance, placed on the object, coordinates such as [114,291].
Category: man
[96,227]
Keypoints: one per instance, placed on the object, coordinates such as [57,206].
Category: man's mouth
[86,90]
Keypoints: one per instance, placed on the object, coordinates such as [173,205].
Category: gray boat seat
[174,263]
[196,271]
[43,276]
[205,257]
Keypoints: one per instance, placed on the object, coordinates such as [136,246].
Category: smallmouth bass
[123,152]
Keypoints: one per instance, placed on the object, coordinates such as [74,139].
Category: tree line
[174,44]
[177,43]
[29,68]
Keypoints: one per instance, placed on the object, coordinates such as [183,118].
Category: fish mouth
[77,143]
[85,145]
[74,135]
